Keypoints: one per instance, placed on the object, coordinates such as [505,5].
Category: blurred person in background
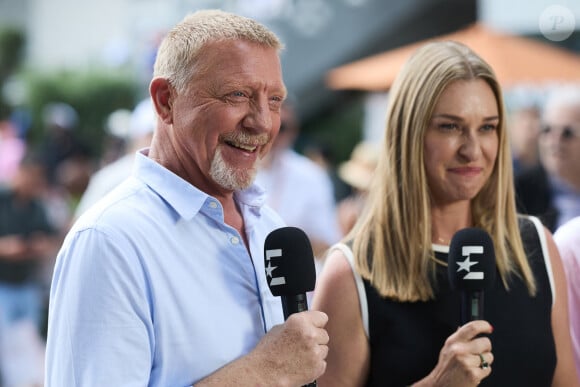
[163,282]
[68,162]
[60,141]
[323,155]
[27,240]
[524,127]
[115,142]
[551,190]
[567,238]
[357,172]
[140,131]
[12,149]
[298,189]
[444,166]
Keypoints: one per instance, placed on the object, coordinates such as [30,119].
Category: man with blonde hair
[551,191]
[163,282]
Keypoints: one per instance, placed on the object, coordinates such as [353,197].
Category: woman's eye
[449,126]
[488,128]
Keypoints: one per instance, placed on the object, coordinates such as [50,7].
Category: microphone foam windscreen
[289,262]
[471,264]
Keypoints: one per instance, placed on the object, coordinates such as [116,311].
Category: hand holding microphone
[466,357]
[301,342]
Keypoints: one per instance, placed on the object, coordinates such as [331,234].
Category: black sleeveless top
[406,337]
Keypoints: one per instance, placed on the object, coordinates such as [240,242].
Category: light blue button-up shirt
[152,288]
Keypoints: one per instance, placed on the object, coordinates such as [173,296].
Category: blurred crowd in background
[51,176]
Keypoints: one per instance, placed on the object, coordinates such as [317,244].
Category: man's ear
[162,96]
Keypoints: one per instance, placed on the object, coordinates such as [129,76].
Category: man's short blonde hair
[178,52]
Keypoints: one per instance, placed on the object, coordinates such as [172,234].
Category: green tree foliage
[94,95]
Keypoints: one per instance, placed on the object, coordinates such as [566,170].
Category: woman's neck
[447,220]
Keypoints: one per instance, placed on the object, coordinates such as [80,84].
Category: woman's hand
[465,359]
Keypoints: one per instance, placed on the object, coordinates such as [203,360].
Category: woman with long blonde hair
[445,165]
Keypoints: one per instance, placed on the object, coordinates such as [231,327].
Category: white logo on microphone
[269,269]
[466,251]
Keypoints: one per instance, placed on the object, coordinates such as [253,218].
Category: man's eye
[276,103]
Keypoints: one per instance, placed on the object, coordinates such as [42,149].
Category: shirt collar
[183,197]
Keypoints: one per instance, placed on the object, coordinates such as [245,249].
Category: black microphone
[471,269]
[290,271]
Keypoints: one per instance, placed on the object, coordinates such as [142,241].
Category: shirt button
[213,204]
[235,240]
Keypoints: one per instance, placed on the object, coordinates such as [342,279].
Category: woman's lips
[466,171]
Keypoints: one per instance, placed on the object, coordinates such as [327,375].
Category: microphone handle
[295,304]
[471,306]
